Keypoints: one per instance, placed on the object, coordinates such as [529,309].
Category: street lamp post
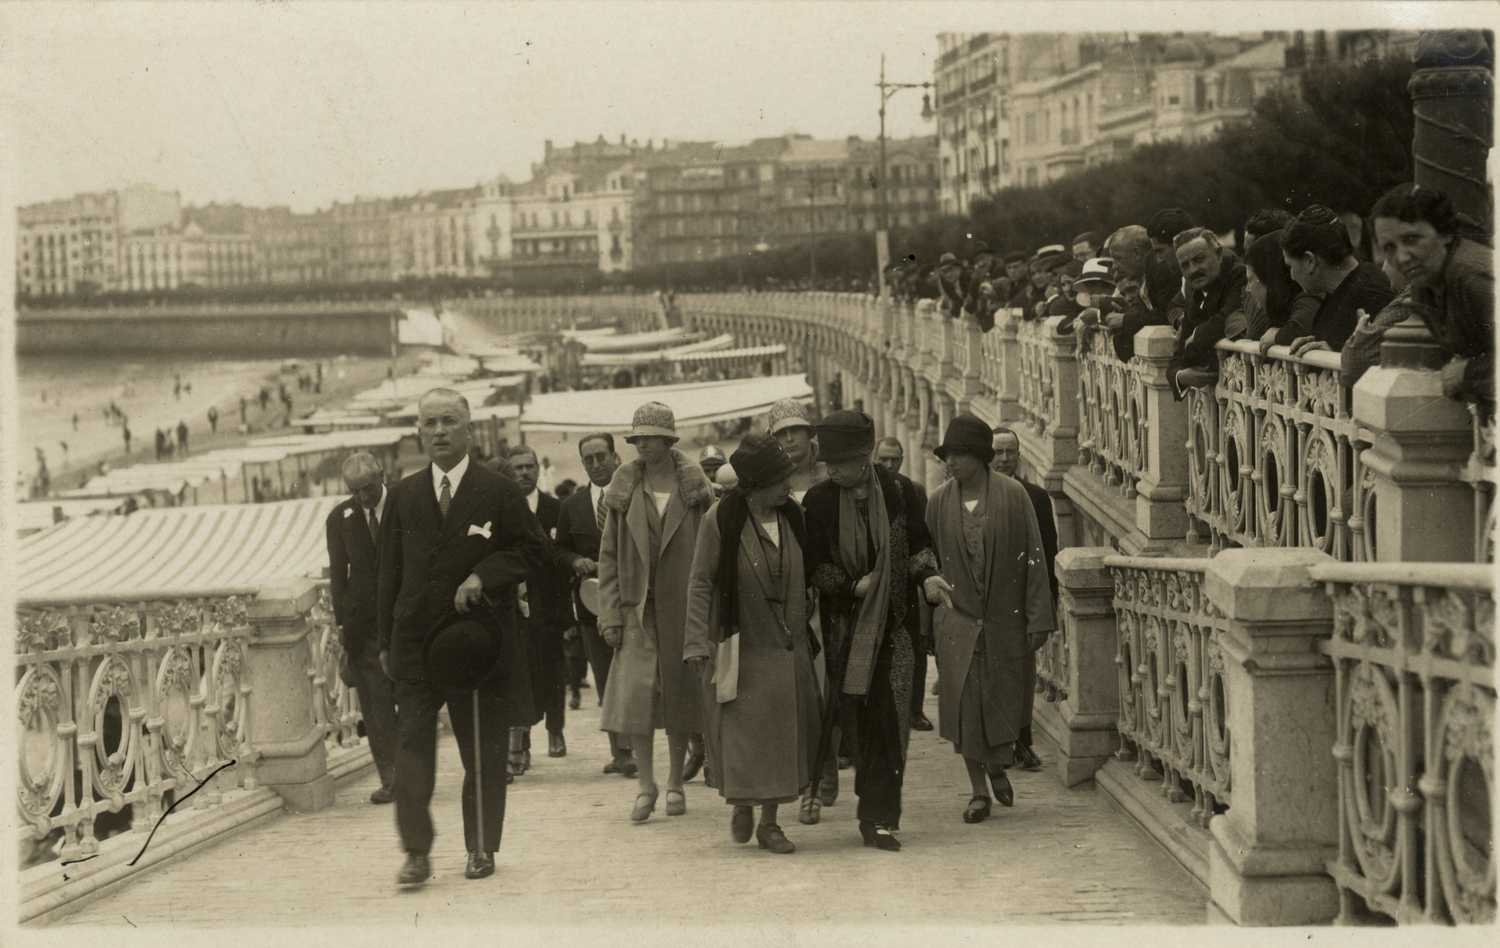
[883,235]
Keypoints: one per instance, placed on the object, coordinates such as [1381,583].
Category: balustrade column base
[286,749]
[1085,717]
[1256,885]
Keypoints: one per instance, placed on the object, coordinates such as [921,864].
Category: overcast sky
[302,103]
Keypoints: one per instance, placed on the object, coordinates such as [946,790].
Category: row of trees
[1341,138]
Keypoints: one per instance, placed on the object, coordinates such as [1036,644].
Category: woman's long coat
[762,744]
[650,653]
[1018,604]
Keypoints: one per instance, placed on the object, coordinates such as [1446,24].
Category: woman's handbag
[727,670]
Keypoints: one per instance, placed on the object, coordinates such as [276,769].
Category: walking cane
[478,777]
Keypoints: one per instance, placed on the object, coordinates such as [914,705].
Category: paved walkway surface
[571,857]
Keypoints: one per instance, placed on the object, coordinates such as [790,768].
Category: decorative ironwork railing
[1052,662]
[132,703]
[1037,398]
[1113,414]
[1174,697]
[127,703]
[1413,648]
[1274,455]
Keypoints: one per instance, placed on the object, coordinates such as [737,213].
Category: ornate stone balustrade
[1480,475]
[127,702]
[1037,396]
[1275,455]
[1413,648]
[1112,414]
[136,702]
[1174,695]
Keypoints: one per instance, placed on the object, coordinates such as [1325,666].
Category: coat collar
[693,487]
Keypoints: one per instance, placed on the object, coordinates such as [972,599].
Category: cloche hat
[652,420]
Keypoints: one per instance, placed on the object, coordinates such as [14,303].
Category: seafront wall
[269,330]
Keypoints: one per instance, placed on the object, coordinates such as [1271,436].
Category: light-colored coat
[1018,604]
[650,655]
[761,745]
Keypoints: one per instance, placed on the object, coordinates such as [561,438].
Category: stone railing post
[1087,712]
[1421,442]
[1268,862]
[1008,371]
[1060,439]
[285,737]
[1159,511]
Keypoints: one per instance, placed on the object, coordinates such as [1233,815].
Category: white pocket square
[476,530]
[348,512]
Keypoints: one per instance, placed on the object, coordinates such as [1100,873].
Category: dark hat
[461,653]
[981,248]
[946,259]
[760,461]
[967,435]
[1168,223]
[1015,256]
[845,435]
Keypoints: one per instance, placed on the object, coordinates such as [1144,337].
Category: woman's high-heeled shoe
[879,836]
[676,803]
[978,810]
[645,805]
[811,811]
[770,836]
[1004,792]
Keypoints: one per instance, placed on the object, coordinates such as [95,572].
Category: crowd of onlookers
[1314,280]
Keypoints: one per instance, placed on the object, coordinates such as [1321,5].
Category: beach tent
[657,355]
[693,403]
[175,552]
[36,515]
[628,342]
[719,356]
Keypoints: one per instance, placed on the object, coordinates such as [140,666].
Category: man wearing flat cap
[456,541]
[866,546]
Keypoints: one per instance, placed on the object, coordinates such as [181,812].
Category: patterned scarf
[856,533]
[733,513]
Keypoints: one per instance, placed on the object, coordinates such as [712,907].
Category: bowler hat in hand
[966,434]
[845,436]
[461,653]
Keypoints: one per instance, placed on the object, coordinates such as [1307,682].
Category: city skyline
[88,113]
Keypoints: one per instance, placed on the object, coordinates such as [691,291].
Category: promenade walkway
[571,857]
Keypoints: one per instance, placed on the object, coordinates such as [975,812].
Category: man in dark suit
[548,612]
[457,538]
[353,571]
[1007,461]
[577,551]
[889,454]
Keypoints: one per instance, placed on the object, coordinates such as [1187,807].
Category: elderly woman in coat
[994,607]
[747,635]
[653,508]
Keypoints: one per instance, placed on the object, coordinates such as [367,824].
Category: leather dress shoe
[628,769]
[879,836]
[692,765]
[1027,759]
[741,824]
[381,795]
[920,722]
[1003,790]
[770,836]
[557,746]
[574,700]
[479,865]
[415,871]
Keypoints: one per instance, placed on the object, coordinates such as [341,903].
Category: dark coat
[1204,318]
[1041,502]
[353,575]
[424,558]
[547,586]
[1459,308]
[577,538]
[1334,319]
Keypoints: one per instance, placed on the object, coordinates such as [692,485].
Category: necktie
[374,527]
[599,514]
[445,497]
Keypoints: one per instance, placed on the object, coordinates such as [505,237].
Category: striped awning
[176,551]
[658,355]
[730,355]
[693,403]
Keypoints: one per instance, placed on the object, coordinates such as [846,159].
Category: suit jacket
[547,586]
[577,538]
[353,573]
[1041,502]
[425,557]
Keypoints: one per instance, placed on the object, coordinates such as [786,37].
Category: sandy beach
[53,389]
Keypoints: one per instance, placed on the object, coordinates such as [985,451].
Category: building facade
[76,244]
[173,258]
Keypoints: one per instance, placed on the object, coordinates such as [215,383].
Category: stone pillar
[1268,861]
[891,400]
[1159,510]
[1008,392]
[1422,442]
[1086,735]
[932,474]
[285,739]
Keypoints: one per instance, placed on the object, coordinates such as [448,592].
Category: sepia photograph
[737,473]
